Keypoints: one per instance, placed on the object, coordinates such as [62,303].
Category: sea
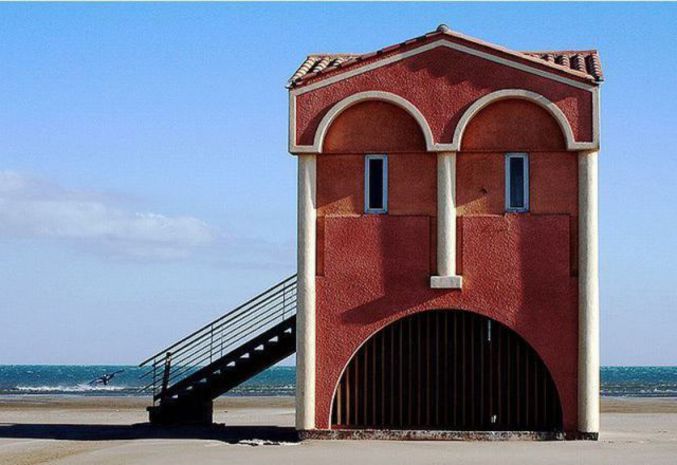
[76,380]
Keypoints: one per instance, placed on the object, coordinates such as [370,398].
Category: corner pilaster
[305,315]
[588,293]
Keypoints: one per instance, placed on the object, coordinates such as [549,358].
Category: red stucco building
[447,259]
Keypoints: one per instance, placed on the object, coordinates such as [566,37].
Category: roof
[579,63]
[586,61]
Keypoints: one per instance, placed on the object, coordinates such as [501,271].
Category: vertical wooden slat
[519,375]
[365,386]
[382,420]
[456,366]
[533,386]
[437,388]
[356,390]
[391,385]
[347,375]
[472,372]
[510,383]
[410,390]
[483,349]
[463,369]
[401,375]
[426,381]
[372,378]
[419,373]
[338,405]
[498,378]
[445,369]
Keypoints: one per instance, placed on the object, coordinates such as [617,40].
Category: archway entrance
[447,370]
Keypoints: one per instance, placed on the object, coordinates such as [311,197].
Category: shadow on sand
[229,434]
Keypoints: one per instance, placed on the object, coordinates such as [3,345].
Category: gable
[583,66]
[441,83]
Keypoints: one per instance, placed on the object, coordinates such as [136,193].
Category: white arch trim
[360,97]
[521,94]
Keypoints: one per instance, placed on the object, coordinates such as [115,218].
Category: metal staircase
[185,377]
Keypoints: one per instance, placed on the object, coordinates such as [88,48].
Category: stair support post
[305,317]
[165,374]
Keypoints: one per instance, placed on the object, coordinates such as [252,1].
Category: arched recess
[520,94]
[354,99]
[374,126]
[446,370]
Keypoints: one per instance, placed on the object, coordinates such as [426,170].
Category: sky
[146,188]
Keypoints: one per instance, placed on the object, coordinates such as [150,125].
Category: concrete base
[585,436]
[188,413]
[434,435]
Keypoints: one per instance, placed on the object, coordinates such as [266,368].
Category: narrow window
[516,182]
[376,184]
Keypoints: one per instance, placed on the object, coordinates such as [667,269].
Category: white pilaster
[446,223]
[588,290]
[305,316]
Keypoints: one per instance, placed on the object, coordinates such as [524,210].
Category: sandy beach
[111,430]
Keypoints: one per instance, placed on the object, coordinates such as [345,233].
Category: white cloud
[34,208]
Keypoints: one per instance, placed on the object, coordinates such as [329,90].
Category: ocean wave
[649,392]
[67,389]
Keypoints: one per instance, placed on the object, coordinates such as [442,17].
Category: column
[446,223]
[305,316]
[588,290]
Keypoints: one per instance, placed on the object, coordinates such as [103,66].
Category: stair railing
[219,337]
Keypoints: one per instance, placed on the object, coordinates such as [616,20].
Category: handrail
[231,318]
[191,355]
[261,319]
[281,283]
[218,328]
[192,360]
[215,339]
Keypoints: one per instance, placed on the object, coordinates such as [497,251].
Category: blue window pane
[517,182]
[376,184]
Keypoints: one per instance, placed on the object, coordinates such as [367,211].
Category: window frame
[522,156]
[367,190]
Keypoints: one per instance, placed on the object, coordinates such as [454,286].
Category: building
[447,240]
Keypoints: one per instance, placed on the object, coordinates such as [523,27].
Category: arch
[446,370]
[520,94]
[354,99]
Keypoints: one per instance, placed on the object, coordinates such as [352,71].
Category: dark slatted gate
[449,370]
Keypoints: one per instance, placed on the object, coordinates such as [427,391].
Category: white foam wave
[76,388]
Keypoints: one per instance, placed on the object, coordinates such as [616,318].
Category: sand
[103,431]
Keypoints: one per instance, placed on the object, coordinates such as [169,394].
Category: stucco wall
[517,268]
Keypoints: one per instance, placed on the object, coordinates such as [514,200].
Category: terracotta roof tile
[315,64]
[579,62]
[586,61]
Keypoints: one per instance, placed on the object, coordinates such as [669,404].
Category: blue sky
[168,124]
